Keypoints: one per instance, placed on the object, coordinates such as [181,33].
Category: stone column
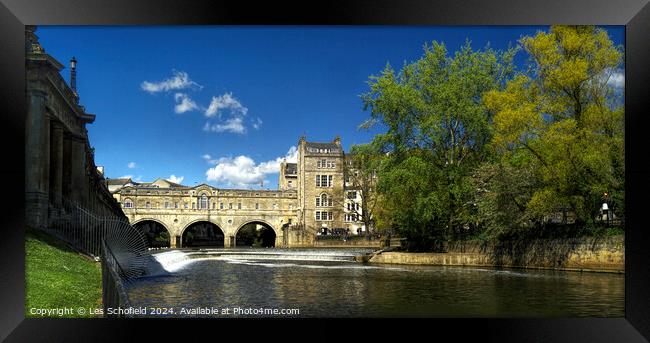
[37,157]
[78,177]
[56,165]
[228,241]
[67,167]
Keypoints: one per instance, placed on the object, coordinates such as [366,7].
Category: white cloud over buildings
[184,103]
[233,125]
[180,80]
[225,103]
[175,179]
[243,171]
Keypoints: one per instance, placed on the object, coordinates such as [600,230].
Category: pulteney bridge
[181,216]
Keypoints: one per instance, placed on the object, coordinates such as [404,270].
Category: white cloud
[225,102]
[257,123]
[184,103]
[126,177]
[132,165]
[175,179]
[617,79]
[180,80]
[242,170]
[234,125]
[209,159]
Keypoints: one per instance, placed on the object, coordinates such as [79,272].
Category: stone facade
[177,207]
[311,200]
[59,161]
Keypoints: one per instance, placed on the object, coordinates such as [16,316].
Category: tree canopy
[473,145]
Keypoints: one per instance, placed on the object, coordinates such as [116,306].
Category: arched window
[324,200]
[128,203]
[203,202]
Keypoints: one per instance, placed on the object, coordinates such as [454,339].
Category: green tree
[562,120]
[437,132]
[362,165]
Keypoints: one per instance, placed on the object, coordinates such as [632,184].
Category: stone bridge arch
[159,235]
[215,226]
[277,232]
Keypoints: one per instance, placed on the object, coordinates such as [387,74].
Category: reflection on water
[338,287]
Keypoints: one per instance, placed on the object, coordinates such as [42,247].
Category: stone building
[311,200]
[59,160]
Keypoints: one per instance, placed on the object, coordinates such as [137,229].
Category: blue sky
[223,105]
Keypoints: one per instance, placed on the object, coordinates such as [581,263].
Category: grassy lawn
[58,277]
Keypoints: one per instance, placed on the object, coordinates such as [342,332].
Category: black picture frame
[634,14]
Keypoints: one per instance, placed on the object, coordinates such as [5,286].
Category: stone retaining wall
[357,243]
[586,254]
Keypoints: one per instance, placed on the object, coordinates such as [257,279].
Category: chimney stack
[73,76]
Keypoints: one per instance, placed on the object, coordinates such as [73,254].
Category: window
[324,200]
[166,204]
[352,195]
[257,206]
[221,206]
[214,204]
[185,205]
[239,206]
[193,205]
[324,180]
[324,215]
[176,204]
[147,205]
[203,202]
[357,206]
[230,206]
[128,203]
[275,206]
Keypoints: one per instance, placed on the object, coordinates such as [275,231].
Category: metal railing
[110,238]
[114,295]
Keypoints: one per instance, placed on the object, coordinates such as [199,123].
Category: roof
[174,184]
[322,145]
[121,181]
[291,168]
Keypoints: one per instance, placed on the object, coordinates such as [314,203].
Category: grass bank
[59,277]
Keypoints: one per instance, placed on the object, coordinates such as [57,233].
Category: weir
[170,261]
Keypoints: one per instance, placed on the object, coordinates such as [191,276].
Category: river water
[328,283]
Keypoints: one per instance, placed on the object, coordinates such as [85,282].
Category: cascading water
[167,262]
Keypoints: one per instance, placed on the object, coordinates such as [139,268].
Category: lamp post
[605,207]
